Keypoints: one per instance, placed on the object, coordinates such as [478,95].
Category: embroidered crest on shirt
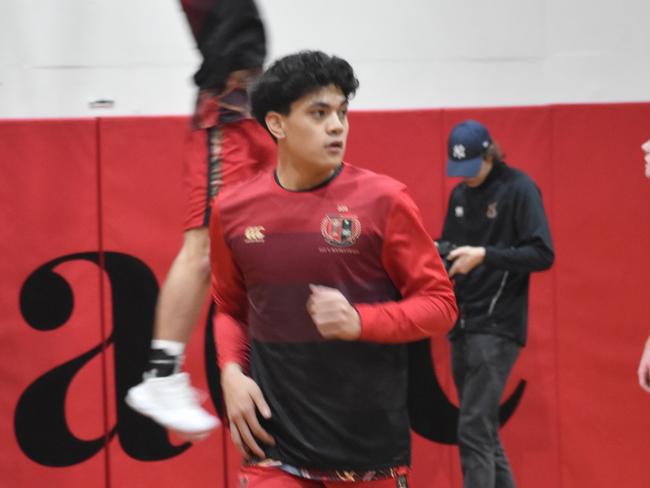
[340,230]
[459,211]
[254,234]
[491,210]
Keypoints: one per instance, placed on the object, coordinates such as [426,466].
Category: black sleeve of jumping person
[232,37]
[533,249]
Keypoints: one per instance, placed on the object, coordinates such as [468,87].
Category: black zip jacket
[505,215]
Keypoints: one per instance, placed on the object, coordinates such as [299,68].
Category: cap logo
[459,151]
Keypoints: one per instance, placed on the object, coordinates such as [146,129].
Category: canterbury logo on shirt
[254,234]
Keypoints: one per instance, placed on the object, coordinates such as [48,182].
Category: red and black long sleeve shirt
[335,405]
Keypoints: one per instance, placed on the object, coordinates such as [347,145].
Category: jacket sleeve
[410,258]
[533,250]
[229,294]
[231,38]
[447,232]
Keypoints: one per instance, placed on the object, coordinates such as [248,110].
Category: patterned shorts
[224,146]
[275,475]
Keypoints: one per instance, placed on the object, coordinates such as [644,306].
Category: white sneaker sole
[151,411]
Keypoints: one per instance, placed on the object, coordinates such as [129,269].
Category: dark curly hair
[294,76]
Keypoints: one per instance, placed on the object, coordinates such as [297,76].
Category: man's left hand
[465,259]
[333,314]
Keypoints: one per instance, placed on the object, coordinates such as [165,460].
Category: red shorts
[220,156]
[269,477]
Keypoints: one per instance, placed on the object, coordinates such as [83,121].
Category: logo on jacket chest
[491,212]
[340,229]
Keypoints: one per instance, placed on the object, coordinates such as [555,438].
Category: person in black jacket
[498,233]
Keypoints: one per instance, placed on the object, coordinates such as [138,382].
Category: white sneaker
[173,403]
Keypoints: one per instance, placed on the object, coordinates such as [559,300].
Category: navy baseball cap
[466,146]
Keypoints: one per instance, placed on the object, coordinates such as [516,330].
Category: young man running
[321,273]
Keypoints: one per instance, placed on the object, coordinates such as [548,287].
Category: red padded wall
[602,230]
[582,420]
[143,206]
[49,209]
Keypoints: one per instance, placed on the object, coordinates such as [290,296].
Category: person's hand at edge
[644,367]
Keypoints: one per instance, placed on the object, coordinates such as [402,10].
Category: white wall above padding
[56,56]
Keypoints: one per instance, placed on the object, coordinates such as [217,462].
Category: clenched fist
[333,314]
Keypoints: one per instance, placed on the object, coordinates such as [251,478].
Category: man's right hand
[243,397]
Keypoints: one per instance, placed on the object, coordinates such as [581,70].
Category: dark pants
[481,364]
